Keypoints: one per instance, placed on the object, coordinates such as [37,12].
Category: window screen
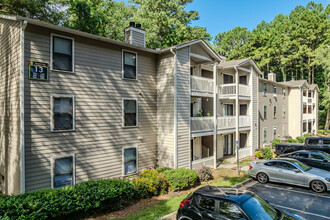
[63,172]
[130,113]
[130,162]
[62,113]
[129,65]
[62,54]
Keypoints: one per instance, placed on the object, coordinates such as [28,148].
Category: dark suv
[212,202]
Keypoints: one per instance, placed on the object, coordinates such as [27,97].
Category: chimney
[135,35]
[272,76]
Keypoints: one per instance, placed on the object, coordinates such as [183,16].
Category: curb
[173,214]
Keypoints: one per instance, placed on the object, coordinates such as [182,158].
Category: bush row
[109,194]
[264,153]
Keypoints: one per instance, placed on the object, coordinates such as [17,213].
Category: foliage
[301,139]
[162,169]
[259,154]
[52,203]
[181,178]
[205,174]
[275,141]
[268,154]
[202,113]
[150,183]
[290,140]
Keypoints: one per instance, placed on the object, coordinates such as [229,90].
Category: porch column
[237,111]
[215,112]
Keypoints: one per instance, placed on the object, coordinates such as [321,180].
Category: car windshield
[301,165]
[257,208]
[326,155]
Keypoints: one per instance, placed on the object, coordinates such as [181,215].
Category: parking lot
[295,200]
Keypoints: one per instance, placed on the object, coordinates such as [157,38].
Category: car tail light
[183,202]
[250,167]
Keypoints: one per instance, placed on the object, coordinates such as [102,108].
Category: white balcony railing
[230,89]
[201,84]
[201,124]
[244,120]
[226,122]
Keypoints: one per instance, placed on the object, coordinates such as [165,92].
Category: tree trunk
[327,122]
[309,70]
[267,67]
[313,74]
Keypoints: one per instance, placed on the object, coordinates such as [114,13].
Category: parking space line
[302,212]
[296,191]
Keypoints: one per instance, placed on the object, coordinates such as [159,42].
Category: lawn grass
[223,177]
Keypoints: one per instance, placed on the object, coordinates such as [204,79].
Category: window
[317,157]
[129,65]
[304,127]
[227,79]
[304,93]
[228,109]
[265,134]
[309,109]
[274,130]
[309,94]
[63,170]
[130,112]
[207,203]
[191,70]
[313,141]
[286,166]
[243,109]
[271,164]
[274,111]
[301,155]
[230,210]
[283,92]
[265,111]
[265,89]
[243,80]
[274,91]
[130,160]
[283,130]
[304,108]
[326,141]
[62,53]
[62,112]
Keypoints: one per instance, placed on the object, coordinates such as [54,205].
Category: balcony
[202,124]
[201,86]
[229,122]
[229,90]
[244,120]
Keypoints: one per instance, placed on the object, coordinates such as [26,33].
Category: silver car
[290,171]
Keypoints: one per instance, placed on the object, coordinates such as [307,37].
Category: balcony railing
[230,89]
[244,120]
[201,84]
[226,122]
[201,124]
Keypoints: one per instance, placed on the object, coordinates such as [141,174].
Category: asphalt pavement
[295,200]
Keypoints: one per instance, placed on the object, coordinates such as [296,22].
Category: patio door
[228,145]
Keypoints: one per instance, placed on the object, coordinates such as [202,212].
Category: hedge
[181,178]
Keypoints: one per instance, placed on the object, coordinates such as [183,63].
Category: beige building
[286,109]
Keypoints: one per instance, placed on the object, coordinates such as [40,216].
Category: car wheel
[262,178]
[318,186]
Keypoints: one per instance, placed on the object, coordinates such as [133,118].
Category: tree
[167,22]
[44,10]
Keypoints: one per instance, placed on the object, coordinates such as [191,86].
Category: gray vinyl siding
[138,38]
[165,110]
[254,129]
[10,63]
[183,106]
[98,88]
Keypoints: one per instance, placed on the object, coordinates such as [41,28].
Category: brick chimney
[272,76]
[135,35]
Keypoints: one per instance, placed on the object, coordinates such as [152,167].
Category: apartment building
[286,109]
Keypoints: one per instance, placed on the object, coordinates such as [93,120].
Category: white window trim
[275,94]
[123,160]
[122,64]
[283,92]
[123,112]
[223,109]
[263,89]
[52,158]
[265,129]
[51,52]
[52,112]
[275,128]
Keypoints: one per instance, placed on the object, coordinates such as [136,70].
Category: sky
[222,15]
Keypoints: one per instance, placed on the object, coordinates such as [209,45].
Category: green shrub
[275,141]
[68,201]
[320,132]
[205,174]
[150,183]
[162,169]
[308,135]
[267,153]
[259,154]
[181,178]
[290,140]
[301,139]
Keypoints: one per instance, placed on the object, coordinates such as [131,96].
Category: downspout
[175,110]
[22,138]
[237,116]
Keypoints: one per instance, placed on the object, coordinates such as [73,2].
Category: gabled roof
[295,83]
[240,62]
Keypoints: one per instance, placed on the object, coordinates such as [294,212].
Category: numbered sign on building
[38,71]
